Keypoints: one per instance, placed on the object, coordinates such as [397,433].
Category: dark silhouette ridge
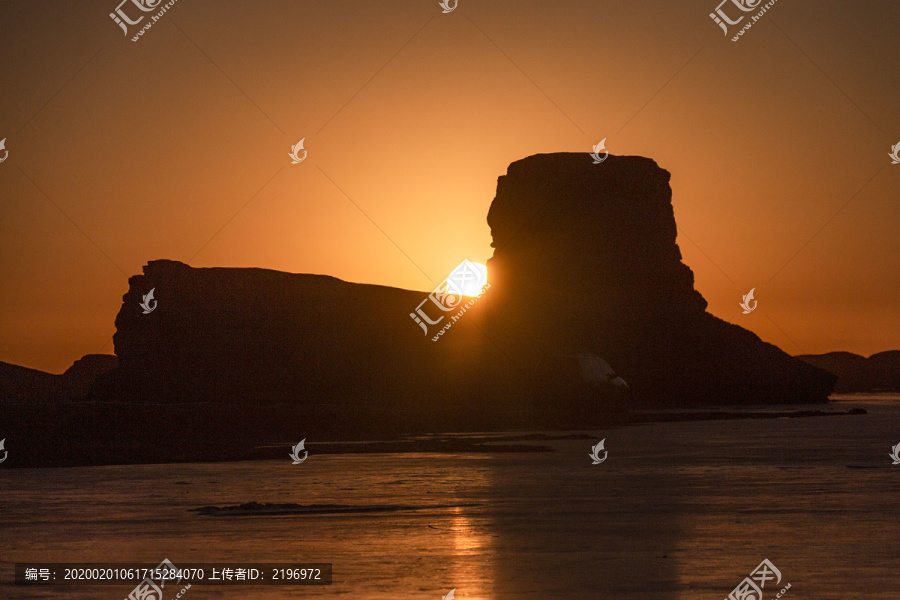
[24,385]
[256,336]
[585,262]
[878,373]
[80,377]
[21,384]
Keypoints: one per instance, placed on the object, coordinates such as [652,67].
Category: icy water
[677,511]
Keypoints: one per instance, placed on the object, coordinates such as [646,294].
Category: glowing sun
[468,278]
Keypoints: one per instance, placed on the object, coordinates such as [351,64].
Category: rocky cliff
[586,261]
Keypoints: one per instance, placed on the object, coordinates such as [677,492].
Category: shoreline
[509,440]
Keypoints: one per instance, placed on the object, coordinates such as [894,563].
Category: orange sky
[123,152]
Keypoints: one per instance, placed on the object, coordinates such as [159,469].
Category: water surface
[677,511]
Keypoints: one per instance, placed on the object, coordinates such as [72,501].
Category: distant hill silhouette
[878,373]
[21,384]
[24,385]
[585,264]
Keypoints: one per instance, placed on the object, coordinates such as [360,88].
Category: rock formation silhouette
[586,261]
[585,265]
[22,385]
[877,373]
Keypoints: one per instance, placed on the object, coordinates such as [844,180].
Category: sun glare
[469,278]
